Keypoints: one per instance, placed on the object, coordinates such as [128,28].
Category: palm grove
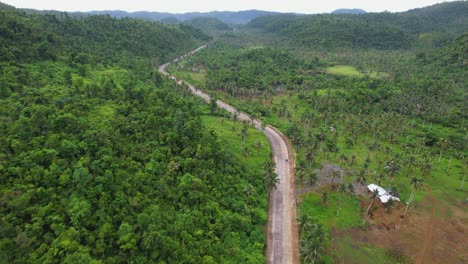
[395,118]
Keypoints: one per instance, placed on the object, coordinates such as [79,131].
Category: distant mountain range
[355,11]
[228,17]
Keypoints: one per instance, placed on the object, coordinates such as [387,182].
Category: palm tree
[392,170]
[379,177]
[309,153]
[443,144]
[324,198]
[375,194]
[361,177]
[416,184]
[463,174]
[426,168]
[312,239]
[334,174]
[311,178]
[342,189]
[271,178]
[411,161]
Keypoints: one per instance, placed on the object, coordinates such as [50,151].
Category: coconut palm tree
[311,242]
[324,198]
[416,184]
[334,174]
[361,177]
[311,177]
[270,176]
[379,177]
[426,168]
[375,194]
[342,189]
[443,144]
[410,161]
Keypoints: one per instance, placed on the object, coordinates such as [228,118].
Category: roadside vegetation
[392,116]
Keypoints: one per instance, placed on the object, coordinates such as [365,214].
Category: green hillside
[102,160]
[208,24]
[384,31]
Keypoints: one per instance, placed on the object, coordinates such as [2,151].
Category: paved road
[282,237]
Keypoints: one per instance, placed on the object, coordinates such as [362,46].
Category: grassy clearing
[349,215]
[344,70]
[258,149]
[351,71]
[355,252]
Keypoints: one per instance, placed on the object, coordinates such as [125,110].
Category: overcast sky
[181,6]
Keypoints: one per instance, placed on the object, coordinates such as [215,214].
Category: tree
[342,190]
[426,168]
[311,177]
[375,194]
[379,177]
[334,174]
[309,153]
[411,161]
[312,239]
[462,177]
[270,176]
[416,184]
[443,144]
[324,198]
[361,177]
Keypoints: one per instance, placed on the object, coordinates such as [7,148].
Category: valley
[233,137]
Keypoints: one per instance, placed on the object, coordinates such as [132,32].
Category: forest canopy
[103,160]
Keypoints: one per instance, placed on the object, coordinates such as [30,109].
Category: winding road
[282,236]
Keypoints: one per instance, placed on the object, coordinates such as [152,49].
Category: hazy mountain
[5,6]
[429,26]
[349,11]
[170,20]
[228,17]
[208,24]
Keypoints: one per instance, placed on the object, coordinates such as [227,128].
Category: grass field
[258,149]
[344,70]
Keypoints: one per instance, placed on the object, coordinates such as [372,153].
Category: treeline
[251,71]
[432,90]
[104,161]
[432,26]
[27,37]
[208,24]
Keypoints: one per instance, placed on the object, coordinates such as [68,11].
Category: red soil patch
[433,232]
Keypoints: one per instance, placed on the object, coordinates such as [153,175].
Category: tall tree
[416,184]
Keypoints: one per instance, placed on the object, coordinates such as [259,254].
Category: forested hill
[228,17]
[438,23]
[102,160]
[355,11]
[25,37]
[208,24]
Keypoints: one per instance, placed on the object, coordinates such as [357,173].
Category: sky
[182,6]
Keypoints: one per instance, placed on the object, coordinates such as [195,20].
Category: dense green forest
[105,161]
[375,98]
[430,26]
[208,24]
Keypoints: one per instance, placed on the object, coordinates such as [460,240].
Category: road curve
[282,236]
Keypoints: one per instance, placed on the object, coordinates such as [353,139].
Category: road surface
[282,236]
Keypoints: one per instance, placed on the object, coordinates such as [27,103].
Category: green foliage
[386,118]
[380,31]
[104,161]
[208,24]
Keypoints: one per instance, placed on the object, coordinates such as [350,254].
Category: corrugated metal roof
[383,195]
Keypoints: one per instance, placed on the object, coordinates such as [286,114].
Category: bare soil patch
[433,232]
